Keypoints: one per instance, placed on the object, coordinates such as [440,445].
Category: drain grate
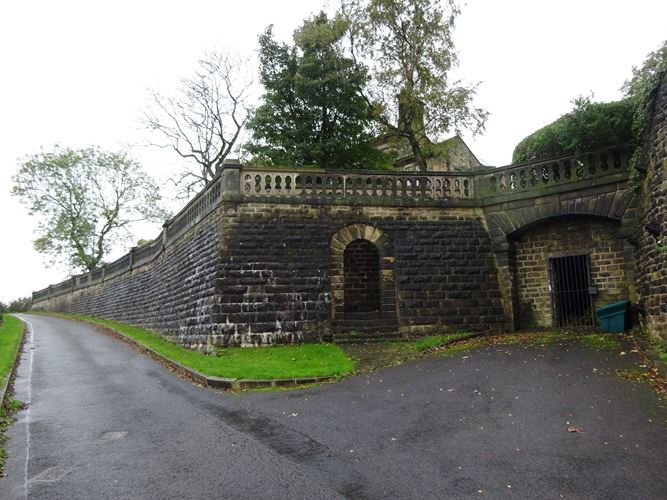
[52,474]
[113,435]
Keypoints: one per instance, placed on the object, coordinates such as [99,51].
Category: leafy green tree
[408,46]
[87,200]
[21,304]
[312,111]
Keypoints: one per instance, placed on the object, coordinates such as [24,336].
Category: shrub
[588,126]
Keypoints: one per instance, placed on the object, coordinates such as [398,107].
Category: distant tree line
[21,304]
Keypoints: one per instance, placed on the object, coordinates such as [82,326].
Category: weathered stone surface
[652,248]
[174,294]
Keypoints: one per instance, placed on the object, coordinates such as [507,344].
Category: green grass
[10,337]
[303,360]
[660,348]
[11,329]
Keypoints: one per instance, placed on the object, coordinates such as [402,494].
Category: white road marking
[31,346]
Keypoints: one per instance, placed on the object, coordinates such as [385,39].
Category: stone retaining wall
[652,233]
[173,294]
[275,282]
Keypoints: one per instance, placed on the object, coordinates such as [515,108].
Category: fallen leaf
[575,429]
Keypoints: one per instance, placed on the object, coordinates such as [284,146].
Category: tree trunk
[417,152]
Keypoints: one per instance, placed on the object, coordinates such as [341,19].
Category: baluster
[617,158]
[591,164]
[393,188]
[567,169]
[533,177]
[604,162]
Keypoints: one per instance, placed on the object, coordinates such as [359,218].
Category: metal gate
[571,291]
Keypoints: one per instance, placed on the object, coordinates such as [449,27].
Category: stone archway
[363,285]
[566,267]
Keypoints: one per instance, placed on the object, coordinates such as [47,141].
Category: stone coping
[232,384]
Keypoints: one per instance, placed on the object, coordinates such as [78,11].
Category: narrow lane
[106,422]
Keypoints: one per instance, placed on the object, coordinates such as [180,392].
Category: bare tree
[203,122]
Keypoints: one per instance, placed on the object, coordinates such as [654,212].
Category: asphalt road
[104,421]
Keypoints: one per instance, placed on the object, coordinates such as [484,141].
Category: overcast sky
[76,73]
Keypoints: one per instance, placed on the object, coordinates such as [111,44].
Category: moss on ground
[369,357]
[600,341]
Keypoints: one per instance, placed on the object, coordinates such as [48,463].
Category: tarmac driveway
[106,422]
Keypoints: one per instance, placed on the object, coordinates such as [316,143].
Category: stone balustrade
[310,183]
[536,176]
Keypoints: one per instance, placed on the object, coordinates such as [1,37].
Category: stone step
[366,338]
[362,315]
[380,323]
[368,329]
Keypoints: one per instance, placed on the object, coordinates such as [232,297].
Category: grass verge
[268,363]
[11,330]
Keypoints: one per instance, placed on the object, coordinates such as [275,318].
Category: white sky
[76,73]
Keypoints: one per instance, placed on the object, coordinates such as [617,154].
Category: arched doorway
[361,270]
[363,288]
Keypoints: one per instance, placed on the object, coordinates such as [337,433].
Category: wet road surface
[104,421]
